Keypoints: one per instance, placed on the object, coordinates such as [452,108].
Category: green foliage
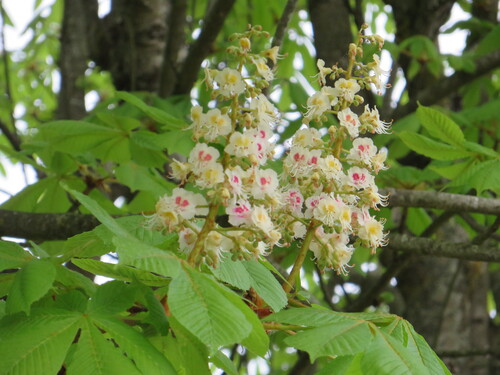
[159,315]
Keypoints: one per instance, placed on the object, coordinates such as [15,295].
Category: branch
[44,227]
[279,34]
[445,201]
[432,247]
[12,136]
[448,85]
[201,47]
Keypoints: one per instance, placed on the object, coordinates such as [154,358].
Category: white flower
[349,120]
[346,88]
[371,119]
[378,73]
[216,124]
[359,178]
[323,72]
[327,211]
[239,213]
[187,239]
[260,218]
[230,82]
[201,156]
[263,69]
[362,151]
[300,161]
[317,104]
[181,204]
[235,178]
[331,167]
[372,232]
[378,160]
[265,183]
[241,145]
[298,229]
[265,113]
[308,138]
[211,175]
[179,170]
[294,200]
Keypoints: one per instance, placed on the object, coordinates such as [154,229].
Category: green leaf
[220,360]
[266,285]
[112,297]
[335,339]
[188,354]
[100,214]
[145,257]
[96,355]
[36,344]
[137,177]
[258,340]
[145,356]
[156,114]
[386,355]
[432,149]
[72,279]
[86,245]
[12,255]
[311,317]
[489,43]
[439,125]
[79,137]
[43,196]
[31,283]
[346,365]
[481,176]
[234,273]
[201,306]
[480,149]
[120,272]
[179,141]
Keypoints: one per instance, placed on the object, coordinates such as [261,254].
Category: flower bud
[245,44]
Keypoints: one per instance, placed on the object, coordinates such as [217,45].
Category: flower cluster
[325,191]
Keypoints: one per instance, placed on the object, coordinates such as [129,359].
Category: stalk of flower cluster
[194,256]
[297,266]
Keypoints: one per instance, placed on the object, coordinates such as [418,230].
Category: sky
[21,12]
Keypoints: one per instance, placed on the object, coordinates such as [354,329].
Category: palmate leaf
[234,273]
[186,352]
[386,355]
[12,255]
[120,272]
[368,343]
[146,257]
[162,117]
[36,344]
[432,149]
[404,332]
[343,338]
[30,284]
[112,297]
[145,356]
[266,285]
[199,303]
[440,126]
[96,355]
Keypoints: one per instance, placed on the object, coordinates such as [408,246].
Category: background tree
[439,270]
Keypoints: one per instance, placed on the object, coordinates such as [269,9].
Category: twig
[279,34]
[476,226]
[448,85]
[427,246]
[445,201]
[202,46]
